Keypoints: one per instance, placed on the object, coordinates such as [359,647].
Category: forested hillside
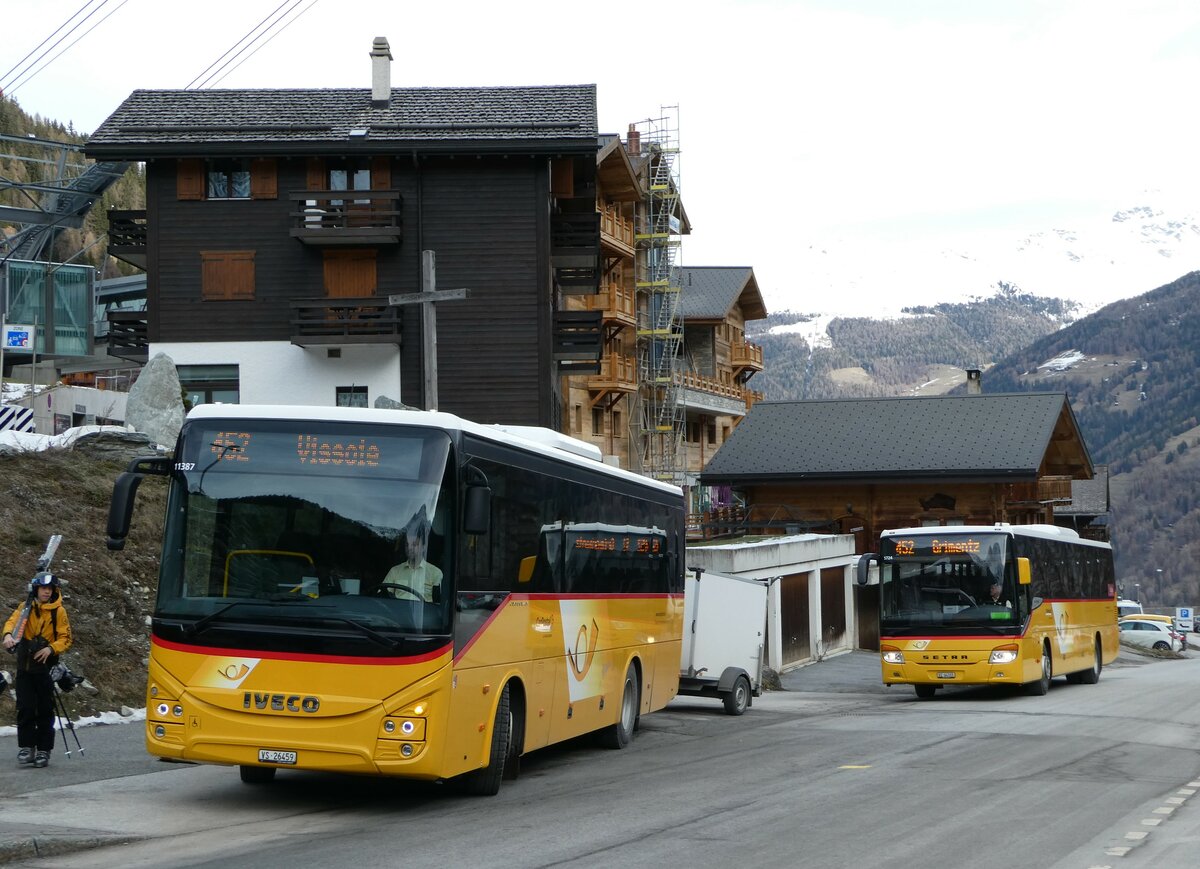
[881,357]
[26,162]
[1136,396]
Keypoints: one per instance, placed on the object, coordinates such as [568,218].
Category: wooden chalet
[866,465]
[280,222]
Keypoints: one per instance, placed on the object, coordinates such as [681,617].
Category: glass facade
[59,299]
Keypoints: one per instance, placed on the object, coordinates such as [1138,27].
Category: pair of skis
[43,565]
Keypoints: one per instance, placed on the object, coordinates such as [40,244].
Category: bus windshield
[950,584]
[308,537]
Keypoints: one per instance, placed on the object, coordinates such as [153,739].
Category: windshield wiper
[369,633]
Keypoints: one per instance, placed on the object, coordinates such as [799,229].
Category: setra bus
[993,605]
[401,593]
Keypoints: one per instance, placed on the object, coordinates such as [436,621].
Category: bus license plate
[267,755]
[945,675]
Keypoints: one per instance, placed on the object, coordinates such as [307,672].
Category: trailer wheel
[738,699]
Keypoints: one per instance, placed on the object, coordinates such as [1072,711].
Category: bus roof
[1048,532]
[543,441]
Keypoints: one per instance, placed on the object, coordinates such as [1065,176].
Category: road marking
[1152,822]
[1164,810]
[1119,851]
[856,766]
[1174,801]
[1187,792]
[1137,835]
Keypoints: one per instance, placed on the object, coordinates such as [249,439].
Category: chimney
[974,381]
[381,73]
[633,141]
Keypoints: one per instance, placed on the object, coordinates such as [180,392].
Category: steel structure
[660,324]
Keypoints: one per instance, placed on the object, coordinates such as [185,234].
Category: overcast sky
[870,126]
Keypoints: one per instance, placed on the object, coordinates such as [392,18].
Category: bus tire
[738,699]
[925,692]
[257,775]
[617,736]
[486,782]
[1040,686]
[1092,676]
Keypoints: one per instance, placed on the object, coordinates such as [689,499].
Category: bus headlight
[1003,655]
[891,655]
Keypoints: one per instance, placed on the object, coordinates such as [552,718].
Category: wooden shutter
[562,177]
[381,173]
[263,183]
[226,275]
[189,179]
[350,273]
[316,174]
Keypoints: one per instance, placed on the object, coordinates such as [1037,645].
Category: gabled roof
[710,292]
[615,171]
[153,122]
[993,438]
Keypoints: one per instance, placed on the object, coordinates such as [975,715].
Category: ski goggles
[44,579]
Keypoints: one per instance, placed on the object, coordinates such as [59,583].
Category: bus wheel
[618,735]
[1092,676]
[1042,685]
[257,775]
[486,782]
[925,692]
[737,700]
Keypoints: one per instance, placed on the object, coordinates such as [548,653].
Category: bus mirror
[120,509]
[525,573]
[864,567]
[477,511]
[1023,573]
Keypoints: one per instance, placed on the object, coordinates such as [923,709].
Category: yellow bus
[993,605]
[402,593]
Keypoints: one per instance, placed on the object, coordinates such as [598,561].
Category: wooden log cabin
[861,466]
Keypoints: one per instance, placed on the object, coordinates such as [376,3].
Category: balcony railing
[128,335]
[745,355]
[127,236]
[616,227]
[342,217]
[369,320]
[691,380]
[617,373]
[618,304]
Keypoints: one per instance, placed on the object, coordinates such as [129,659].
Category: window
[209,384]
[597,421]
[226,275]
[577,418]
[712,432]
[616,424]
[349,174]
[351,396]
[227,179]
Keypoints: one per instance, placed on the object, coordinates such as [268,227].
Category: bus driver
[415,576]
[996,596]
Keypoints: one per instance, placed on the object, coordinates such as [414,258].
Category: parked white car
[1149,634]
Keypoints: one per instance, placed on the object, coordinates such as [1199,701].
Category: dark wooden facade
[498,182]
[487,220]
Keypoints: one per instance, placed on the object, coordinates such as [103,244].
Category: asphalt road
[835,771]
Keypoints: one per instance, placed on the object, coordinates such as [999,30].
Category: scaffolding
[660,324]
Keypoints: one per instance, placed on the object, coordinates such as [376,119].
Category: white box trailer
[724,636]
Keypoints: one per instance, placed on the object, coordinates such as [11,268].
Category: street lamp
[1137,592]
[1158,570]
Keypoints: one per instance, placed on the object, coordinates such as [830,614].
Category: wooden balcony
[127,236]
[616,230]
[578,342]
[617,377]
[744,356]
[369,320]
[618,306]
[128,336]
[327,218]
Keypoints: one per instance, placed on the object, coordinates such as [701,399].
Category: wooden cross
[428,297]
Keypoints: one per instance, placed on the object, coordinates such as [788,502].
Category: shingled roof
[710,292]
[999,437]
[343,121]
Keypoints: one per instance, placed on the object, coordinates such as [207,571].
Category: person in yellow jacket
[47,635]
